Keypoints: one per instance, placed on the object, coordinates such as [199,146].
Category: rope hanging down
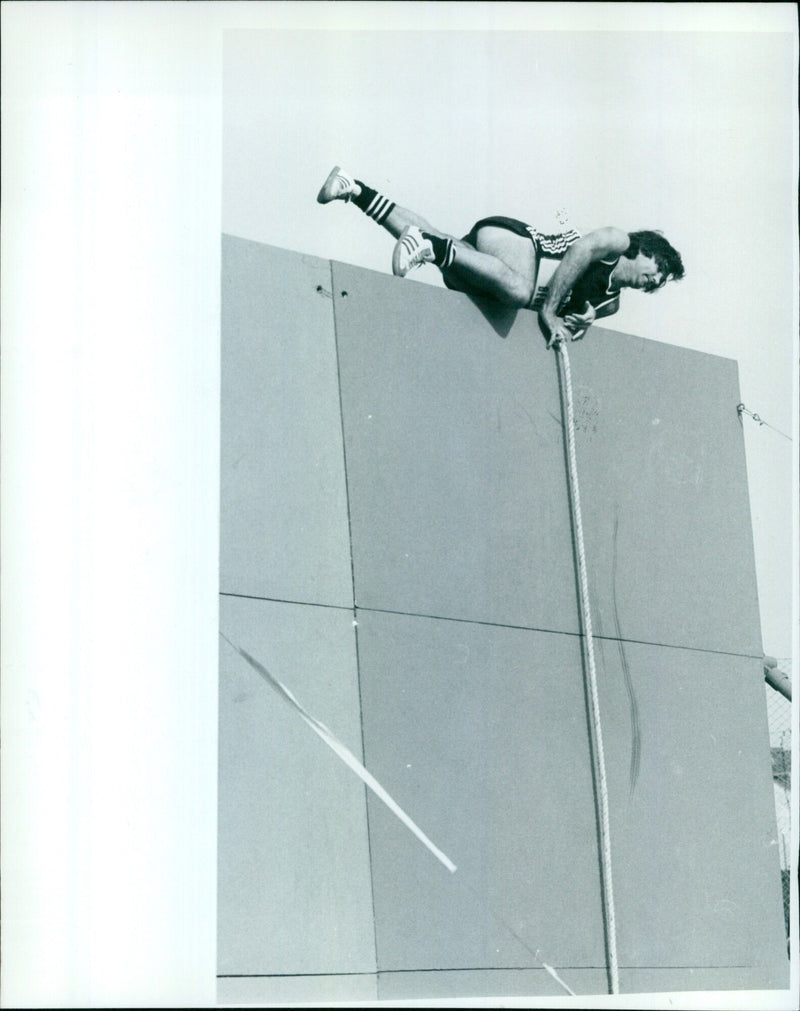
[601,793]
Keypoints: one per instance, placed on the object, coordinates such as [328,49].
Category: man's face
[647,276]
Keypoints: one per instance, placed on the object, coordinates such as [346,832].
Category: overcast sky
[689,132]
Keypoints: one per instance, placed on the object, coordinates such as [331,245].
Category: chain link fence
[779,716]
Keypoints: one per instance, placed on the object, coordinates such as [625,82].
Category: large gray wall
[396,548]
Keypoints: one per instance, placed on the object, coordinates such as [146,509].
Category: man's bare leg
[503,266]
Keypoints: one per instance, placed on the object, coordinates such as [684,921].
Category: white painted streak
[344,753]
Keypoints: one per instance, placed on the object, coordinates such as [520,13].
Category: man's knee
[520,292]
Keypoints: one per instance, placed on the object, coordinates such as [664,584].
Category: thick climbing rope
[601,782]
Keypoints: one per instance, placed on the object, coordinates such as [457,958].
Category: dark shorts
[498,221]
[551,247]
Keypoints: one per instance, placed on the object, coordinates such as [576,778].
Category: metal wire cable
[743,410]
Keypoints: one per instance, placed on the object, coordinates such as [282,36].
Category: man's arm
[598,245]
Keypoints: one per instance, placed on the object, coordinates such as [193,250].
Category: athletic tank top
[593,286]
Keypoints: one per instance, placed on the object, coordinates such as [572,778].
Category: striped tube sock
[372,203]
[443,249]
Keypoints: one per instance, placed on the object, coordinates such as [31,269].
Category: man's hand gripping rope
[571,328]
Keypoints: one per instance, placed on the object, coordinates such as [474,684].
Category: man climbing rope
[500,257]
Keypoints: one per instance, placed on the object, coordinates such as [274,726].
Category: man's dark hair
[654,244]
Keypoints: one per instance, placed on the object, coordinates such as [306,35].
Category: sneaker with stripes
[411,250]
[338,186]
[415,247]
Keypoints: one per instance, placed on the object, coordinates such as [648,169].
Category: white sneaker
[411,250]
[338,186]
